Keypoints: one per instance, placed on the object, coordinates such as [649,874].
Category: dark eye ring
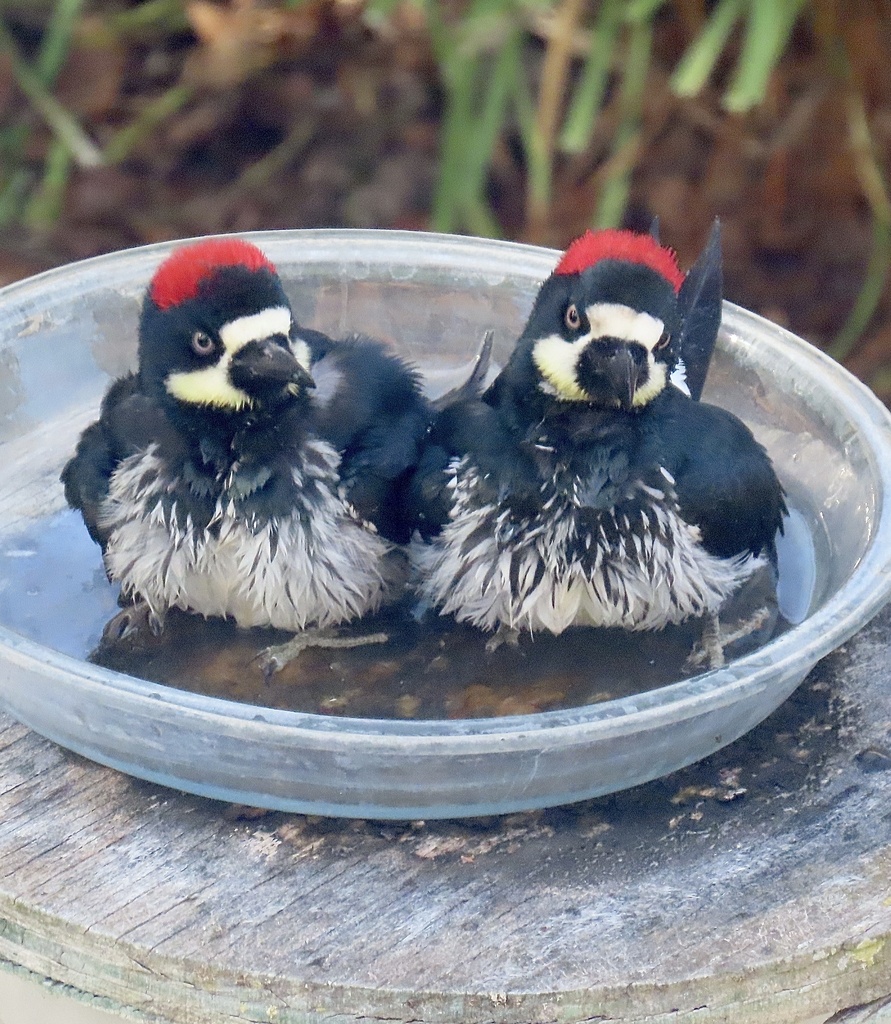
[202,343]
[572,318]
[663,341]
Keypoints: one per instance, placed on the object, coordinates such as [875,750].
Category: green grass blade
[12,145]
[470,125]
[440,41]
[538,170]
[588,97]
[614,194]
[484,135]
[149,16]
[58,119]
[378,11]
[870,295]
[457,117]
[128,138]
[768,28]
[702,54]
[480,219]
[53,53]
[12,196]
[875,189]
[45,204]
[642,10]
[880,381]
[57,40]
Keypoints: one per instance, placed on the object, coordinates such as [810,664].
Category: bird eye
[202,343]
[572,317]
[663,341]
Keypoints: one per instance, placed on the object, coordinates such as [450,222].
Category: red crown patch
[180,275]
[626,246]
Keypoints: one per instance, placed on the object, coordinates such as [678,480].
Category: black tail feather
[700,298]
[476,381]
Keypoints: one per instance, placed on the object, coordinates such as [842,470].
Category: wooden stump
[752,887]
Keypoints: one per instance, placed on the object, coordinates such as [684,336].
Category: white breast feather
[493,584]
[286,574]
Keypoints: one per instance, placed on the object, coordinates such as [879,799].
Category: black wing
[700,306]
[368,404]
[128,422]
[506,474]
[319,343]
[725,481]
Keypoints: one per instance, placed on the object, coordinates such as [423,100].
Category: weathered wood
[753,887]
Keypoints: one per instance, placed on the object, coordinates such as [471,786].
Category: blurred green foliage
[593,54]
[481,54]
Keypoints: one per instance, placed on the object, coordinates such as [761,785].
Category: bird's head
[604,325]
[217,332]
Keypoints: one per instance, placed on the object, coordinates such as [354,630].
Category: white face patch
[255,327]
[654,383]
[556,360]
[211,384]
[613,320]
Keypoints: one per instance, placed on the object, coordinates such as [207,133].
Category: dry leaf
[239,39]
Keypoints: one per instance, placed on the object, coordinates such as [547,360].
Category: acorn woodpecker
[587,485]
[249,467]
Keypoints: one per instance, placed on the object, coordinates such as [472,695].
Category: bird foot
[710,649]
[503,635]
[274,659]
[130,622]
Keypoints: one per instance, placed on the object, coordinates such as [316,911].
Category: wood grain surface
[754,886]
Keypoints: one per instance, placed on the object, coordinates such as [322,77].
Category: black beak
[610,370]
[264,368]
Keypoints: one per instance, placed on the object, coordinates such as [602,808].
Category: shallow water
[53,590]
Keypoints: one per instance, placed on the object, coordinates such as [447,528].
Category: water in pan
[53,590]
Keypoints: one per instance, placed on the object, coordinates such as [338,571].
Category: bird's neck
[525,408]
[218,440]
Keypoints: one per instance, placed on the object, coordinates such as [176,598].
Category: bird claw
[273,659]
[130,622]
[709,651]
[270,664]
[503,635]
